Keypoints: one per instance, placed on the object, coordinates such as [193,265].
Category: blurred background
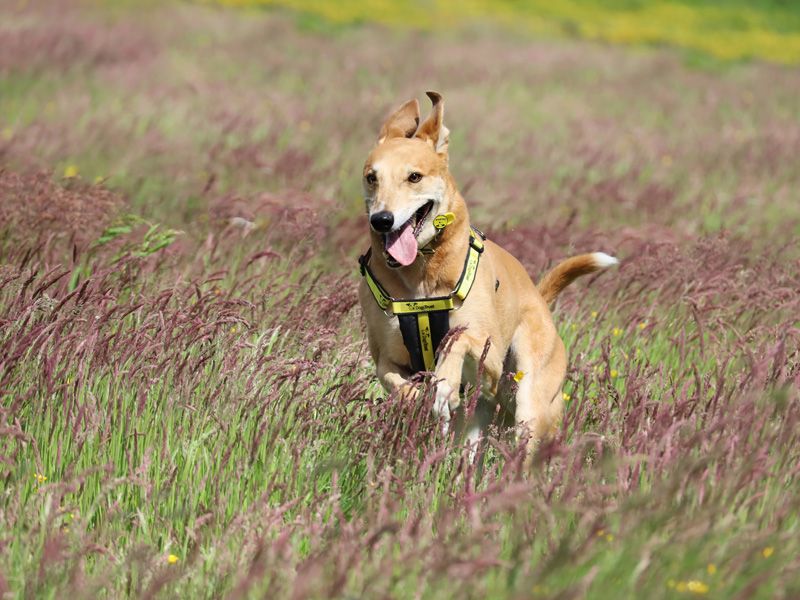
[680,113]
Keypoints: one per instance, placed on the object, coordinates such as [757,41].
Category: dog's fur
[503,307]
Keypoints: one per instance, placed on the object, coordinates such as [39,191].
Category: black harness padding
[416,342]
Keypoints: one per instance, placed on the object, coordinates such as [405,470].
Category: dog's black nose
[382,221]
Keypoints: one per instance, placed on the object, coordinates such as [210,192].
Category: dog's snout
[382,221]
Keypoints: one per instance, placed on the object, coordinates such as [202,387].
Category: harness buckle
[478,247]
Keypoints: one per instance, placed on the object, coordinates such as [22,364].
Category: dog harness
[425,321]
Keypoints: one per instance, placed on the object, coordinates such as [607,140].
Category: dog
[428,270]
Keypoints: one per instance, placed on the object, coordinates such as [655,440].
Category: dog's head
[406,180]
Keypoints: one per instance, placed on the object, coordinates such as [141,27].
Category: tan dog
[408,188]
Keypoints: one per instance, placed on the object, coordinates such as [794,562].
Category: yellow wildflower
[605,534]
[594,314]
[642,325]
[767,552]
[566,396]
[70,172]
[39,477]
[518,376]
[617,331]
[711,568]
[614,373]
[681,586]
[172,559]
[697,587]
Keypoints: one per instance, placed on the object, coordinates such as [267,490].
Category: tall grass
[188,405]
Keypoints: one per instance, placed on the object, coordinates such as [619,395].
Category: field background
[188,407]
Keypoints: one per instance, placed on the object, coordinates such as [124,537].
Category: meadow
[188,404]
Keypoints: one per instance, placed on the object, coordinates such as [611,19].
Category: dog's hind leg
[542,360]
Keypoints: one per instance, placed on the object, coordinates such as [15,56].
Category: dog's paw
[443,401]
[409,392]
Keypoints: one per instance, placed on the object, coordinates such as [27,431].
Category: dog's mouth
[401,244]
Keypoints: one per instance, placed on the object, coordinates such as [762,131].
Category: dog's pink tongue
[402,245]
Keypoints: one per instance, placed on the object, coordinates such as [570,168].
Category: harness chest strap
[425,321]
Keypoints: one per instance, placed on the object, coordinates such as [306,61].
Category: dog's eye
[371,178]
[415,177]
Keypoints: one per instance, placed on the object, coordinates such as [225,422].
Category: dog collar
[425,321]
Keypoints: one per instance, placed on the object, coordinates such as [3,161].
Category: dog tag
[442,221]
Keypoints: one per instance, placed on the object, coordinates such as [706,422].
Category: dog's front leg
[448,379]
[392,380]
[450,370]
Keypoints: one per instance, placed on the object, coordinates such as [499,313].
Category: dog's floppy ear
[433,129]
[402,123]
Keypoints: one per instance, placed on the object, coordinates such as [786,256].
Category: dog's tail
[568,271]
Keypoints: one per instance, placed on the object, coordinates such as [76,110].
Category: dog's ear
[433,129]
[402,123]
